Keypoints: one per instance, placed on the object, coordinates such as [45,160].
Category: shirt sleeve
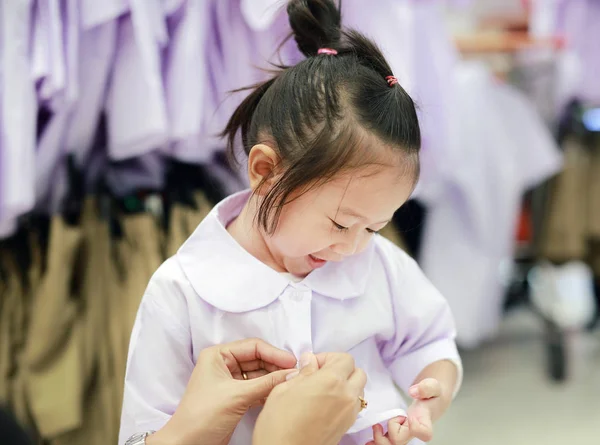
[159,366]
[425,329]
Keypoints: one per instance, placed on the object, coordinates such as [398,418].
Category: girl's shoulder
[168,277]
[391,256]
[401,274]
[168,288]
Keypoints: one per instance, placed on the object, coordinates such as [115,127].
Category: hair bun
[316,24]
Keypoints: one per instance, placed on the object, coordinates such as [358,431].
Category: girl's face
[337,220]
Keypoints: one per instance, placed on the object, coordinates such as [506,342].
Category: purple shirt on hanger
[136,108]
[18,109]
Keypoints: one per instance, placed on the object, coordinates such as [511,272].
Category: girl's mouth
[316,262]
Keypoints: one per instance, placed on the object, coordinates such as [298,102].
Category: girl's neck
[244,230]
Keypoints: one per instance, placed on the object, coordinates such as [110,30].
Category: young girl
[333,151]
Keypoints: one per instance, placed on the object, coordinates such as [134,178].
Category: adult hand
[317,406]
[217,395]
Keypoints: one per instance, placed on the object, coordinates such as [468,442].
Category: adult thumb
[308,363]
[260,388]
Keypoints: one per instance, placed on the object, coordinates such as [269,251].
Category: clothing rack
[70,285]
[510,42]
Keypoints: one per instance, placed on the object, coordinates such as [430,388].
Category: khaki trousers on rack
[184,221]
[572,225]
[100,412]
[178,231]
[53,355]
[4,342]
[195,217]
[594,207]
[19,399]
[140,255]
[11,295]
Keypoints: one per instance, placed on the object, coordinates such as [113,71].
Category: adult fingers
[255,365]
[254,390]
[255,349]
[308,364]
[358,381]
[250,375]
[426,389]
[340,363]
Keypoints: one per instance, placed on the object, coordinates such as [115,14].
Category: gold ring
[245,376]
[363,403]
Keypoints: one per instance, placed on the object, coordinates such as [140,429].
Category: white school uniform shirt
[136,107]
[376,305]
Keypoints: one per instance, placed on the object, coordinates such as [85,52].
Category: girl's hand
[427,396]
[316,407]
[217,395]
[398,433]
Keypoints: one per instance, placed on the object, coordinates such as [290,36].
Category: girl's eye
[339,227]
[372,231]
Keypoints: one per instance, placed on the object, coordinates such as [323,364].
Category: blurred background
[109,159]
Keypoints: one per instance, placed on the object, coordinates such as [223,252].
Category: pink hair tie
[328,51]
[391,80]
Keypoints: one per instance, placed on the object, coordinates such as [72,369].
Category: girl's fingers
[426,389]
[398,431]
[421,427]
[378,437]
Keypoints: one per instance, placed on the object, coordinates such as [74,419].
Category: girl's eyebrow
[349,212]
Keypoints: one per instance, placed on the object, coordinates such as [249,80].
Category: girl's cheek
[364,243]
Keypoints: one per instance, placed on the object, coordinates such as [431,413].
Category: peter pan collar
[229,278]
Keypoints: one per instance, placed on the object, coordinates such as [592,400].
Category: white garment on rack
[18,108]
[238,56]
[187,82]
[136,106]
[96,52]
[415,40]
[579,24]
[57,45]
[94,12]
[49,46]
[260,14]
[501,148]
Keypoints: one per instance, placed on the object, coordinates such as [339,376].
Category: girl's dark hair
[317,114]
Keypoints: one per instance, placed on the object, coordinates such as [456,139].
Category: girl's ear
[263,164]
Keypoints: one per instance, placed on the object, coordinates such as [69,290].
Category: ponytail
[316,24]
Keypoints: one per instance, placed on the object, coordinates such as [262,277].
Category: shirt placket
[297,302]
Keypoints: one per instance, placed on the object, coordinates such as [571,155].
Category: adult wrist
[166,436]
[159,438]
[273,441]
